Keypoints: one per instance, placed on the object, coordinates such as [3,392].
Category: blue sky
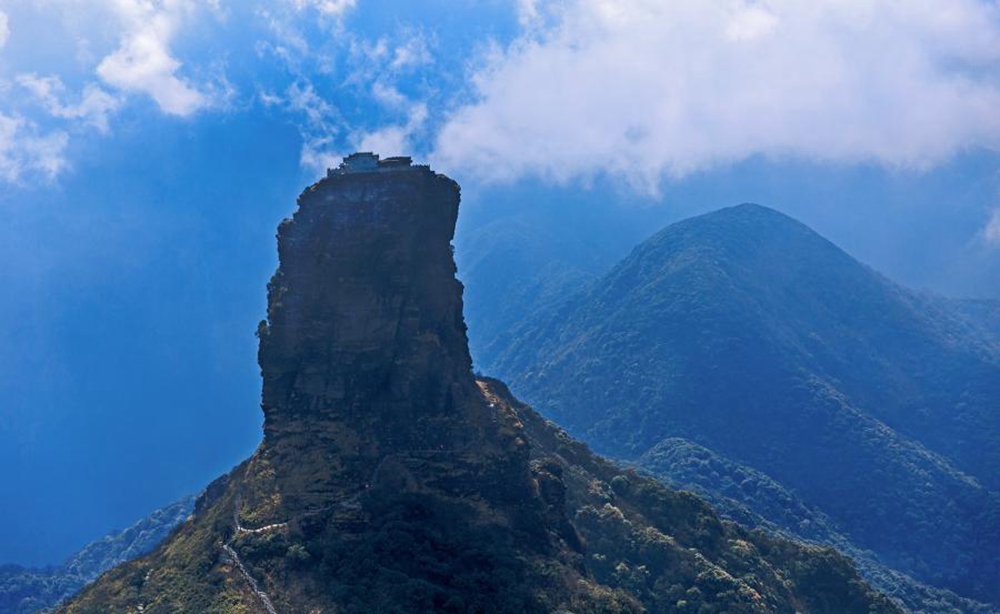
[148,149]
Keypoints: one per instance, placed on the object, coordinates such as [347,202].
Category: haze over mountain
[138,203]
[390,479]
[744,332]
[28,590]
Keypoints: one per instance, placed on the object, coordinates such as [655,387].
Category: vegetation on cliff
[27,590]
[593,537]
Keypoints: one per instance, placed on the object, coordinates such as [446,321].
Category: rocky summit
[364,356]
[391,480]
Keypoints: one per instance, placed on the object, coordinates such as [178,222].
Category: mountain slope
[747,333]
[391,480]
[25,590]
[983,313]
[507,264]
[756,500]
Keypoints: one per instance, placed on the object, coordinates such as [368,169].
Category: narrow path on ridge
[265,600]
[263,597]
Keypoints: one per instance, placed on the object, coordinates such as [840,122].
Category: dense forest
[745,333]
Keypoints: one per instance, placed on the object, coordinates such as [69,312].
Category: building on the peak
[396,162]
[359,162]
[368,162]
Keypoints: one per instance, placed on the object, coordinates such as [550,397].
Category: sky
[148,149]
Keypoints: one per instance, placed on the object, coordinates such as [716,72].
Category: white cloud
[144,63]
[319,113]
[388,95]
[4,29]
[387,58]
[384,68]
[751,23]
[319,154]
[26,152]
[413,51]
[322,123]
[139,61]
[647,89]
[94,107]
[329,8]
[288,44]
[376,69]
[527,12]
[393,140]
[992,230]
[319,125]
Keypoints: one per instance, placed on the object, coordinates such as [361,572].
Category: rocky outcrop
[391,480]
[364,353]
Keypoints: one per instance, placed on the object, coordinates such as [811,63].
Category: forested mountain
[390,479]
[26,590]
[521,263]
[746,333]
[756,500]
[984,313]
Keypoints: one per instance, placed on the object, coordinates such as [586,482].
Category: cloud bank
[93,109]
[40,114]
[329,8]
[143,62]
[647,89]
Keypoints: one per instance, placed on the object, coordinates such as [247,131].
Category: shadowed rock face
[364,355]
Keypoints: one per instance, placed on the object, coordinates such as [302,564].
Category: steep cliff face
[391,480]
[364,354]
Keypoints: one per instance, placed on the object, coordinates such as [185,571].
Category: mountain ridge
[28,590]
[755,500]
[745,332]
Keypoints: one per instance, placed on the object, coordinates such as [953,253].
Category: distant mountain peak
[745,331]
[757,221]
[749,208]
